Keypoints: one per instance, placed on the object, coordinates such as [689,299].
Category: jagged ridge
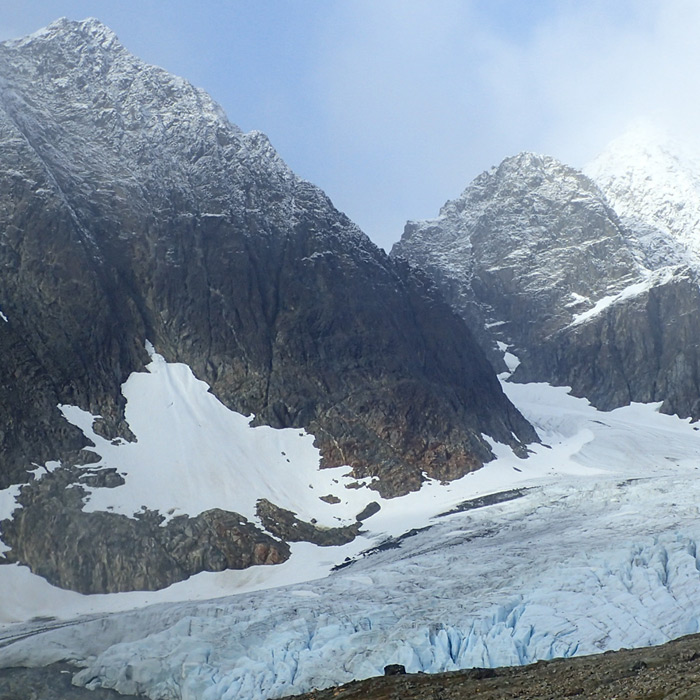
[533,253]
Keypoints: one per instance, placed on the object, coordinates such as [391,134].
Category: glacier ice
[600,552]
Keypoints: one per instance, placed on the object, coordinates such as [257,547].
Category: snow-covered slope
[191,454]
[653,183]
[595,550]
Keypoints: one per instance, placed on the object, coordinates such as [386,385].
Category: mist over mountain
[653,183]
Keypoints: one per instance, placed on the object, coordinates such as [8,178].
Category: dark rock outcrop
[284,524]
[368,511]
[51,683]
[644,349]
[395,670]
[102,552]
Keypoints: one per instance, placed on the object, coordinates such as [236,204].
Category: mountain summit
[525,247]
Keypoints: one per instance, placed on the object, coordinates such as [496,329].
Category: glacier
[596,548]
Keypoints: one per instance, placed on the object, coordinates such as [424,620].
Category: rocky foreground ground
[667,672]
[670,671]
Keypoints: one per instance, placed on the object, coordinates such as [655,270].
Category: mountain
[525,246]
[148,246]
[653,183]
[535,256]
[240,442]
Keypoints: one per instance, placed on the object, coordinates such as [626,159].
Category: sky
[393,106]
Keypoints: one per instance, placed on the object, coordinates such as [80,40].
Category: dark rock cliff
[642,349]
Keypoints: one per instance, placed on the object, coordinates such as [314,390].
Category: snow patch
[8,504]
[192,454]
[44,469]
[577,300]
[511,360]
[649,280]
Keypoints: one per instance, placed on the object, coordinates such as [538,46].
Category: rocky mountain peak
[67,45]
[74,88]
[128,199]
[528,172]
[531,235]
[589,280]
[89,31]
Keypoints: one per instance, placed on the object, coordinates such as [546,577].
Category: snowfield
[591,545]
[192,454]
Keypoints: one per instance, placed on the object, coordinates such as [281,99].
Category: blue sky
[393,106]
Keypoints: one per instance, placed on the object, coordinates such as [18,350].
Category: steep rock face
[534,252]
[643,348]
[132,210]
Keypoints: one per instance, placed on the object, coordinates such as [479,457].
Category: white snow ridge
[591,545]
[653,183]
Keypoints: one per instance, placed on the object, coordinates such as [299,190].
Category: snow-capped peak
[89,30]
[653,183]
